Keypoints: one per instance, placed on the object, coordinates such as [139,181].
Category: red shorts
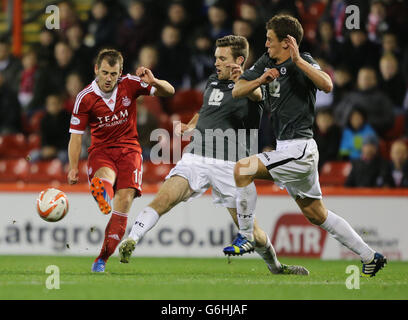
[126,162]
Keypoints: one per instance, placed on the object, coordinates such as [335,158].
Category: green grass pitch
[24,277]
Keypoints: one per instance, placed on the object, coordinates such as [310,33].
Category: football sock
[345,234]
[108,187]
[145,220]
[267,252]
[113,234]
[246,202]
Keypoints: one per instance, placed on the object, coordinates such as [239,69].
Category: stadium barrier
[199,228]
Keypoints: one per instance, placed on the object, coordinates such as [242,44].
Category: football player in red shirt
[108,106]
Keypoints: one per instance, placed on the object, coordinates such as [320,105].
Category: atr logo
[295,236]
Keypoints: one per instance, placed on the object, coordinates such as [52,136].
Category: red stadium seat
[153,104]
[34,141]
[13,146]
[335,173]
[46,172]
[186,100]
[13,170]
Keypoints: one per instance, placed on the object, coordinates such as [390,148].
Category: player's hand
[73,176]
[181,128]
[146,75]
[235,71]
[269,76]
[293,48]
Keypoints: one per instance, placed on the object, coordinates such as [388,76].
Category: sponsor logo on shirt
[75,121]
[116,119]
[143,84]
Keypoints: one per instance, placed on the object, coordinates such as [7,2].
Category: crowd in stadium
[363,120]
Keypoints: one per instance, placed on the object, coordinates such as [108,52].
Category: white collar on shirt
[109,98]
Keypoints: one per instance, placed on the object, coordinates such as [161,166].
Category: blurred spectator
[342,83]
[178,17]
[367,171]
[28,78]
[396,173]
[136,30]
[278,7]
[354,133]
[250,10]
[377,22]
[10,112]
[358,51]
[45,47]
[326,46]
[392,81]
[310,12]
[73,86]
[68,17]
[218,22]
[65,64]
[148,57]
[390,44]
[146,123]
[375,103]
[327,135]
[174,58]
[202,60]
[9,65]
[54,132]
[245,28]
[82,54]
[101,27]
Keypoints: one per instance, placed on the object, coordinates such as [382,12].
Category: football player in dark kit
[291,80]
[210,159]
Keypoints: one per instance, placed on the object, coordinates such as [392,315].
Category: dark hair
[284,25]
[238,44]
[111,56]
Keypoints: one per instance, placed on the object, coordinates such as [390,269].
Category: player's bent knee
[241,176]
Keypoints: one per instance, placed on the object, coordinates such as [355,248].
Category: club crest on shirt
[143,84]
[75,121]
[126,101]
[282,70]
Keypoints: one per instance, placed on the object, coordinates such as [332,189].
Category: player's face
[223,57]
[107,76]
[274,46]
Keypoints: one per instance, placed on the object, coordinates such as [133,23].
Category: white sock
[268,253]
[246,202]
[345,234]
[145,220]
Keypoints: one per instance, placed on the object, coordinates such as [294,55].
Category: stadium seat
[13,170]
[13,146]
[185,100]
[335,173]
[34,141]
[46,172]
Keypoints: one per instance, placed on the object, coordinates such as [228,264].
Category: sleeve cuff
[76,131]
[152,91]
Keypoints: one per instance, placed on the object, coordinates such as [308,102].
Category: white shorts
[293,166]
[203,173]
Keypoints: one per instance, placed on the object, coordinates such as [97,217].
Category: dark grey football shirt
[223,128]
[290,98]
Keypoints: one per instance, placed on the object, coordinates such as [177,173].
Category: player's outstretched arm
[244,88]
[74,151]
[163,88]
[320,78]
[235,72]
